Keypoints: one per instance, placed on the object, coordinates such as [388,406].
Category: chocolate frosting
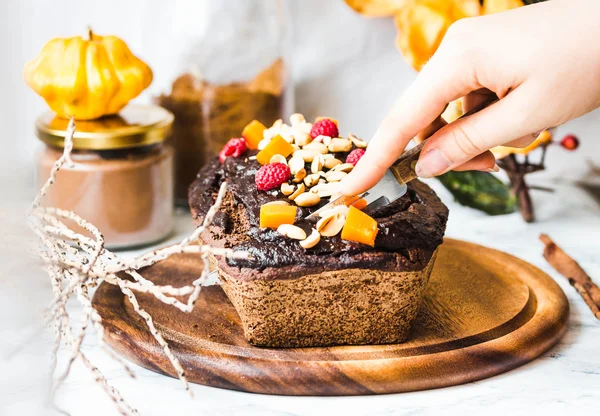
[410,229]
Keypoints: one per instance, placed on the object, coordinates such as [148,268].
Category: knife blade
[393,184]
[212,279]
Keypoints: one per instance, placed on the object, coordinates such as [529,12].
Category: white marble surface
[566,379]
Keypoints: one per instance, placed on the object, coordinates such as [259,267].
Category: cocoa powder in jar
[125,186]
[129,198]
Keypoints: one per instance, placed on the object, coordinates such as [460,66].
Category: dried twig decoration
[516,170]
[77,264]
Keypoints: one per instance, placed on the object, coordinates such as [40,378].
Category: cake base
[342,307]
[484,312]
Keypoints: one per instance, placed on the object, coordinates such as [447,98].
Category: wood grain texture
[485,312]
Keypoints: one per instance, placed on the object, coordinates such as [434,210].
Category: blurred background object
[229,64]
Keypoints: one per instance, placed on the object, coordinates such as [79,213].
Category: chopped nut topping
[317,164]
[340,145]
[319,147]
[324,189]
[296,119]
[300,175]
[312,240]
[339,209]
[360,143]
[306,154]
[278,159]
[292,231]
[331,225]
[302,139]
[272,131]
[263,143]
[307,199]
[331,163]
[295,164]
[344,167]
[300,190]
[276,203]
[334,176]
[312,179]
[287,189]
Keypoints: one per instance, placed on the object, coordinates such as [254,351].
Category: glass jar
[219,65]
[121,179]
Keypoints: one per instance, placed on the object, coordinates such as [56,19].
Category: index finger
[436,85]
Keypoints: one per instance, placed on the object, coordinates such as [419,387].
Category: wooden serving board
[485,312]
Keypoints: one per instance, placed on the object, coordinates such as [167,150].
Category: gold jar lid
[134,126]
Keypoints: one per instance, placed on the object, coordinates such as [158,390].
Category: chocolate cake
[338,292]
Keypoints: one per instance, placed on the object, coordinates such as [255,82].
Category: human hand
[542,61]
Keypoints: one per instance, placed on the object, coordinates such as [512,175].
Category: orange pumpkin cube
[327,118]
[272,216]
[253,133]
[277,146]
[360,227]
[360,204]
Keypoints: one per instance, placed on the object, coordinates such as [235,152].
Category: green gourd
[480,190]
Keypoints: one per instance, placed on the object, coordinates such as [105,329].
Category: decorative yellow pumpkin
[87,78]
[422,24]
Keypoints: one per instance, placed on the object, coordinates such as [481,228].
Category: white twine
[76,264]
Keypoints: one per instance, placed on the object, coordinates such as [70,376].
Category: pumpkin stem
[90,33]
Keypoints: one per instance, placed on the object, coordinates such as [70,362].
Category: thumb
[466,138]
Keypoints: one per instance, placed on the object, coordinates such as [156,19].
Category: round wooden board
[485,312]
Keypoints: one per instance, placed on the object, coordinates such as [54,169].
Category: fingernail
[431,164]
[496,168]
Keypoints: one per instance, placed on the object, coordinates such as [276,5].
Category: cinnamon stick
[577,277]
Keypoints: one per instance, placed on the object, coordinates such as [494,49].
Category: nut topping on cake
[300,190]
[287,189]
[331,225]
[282,203]
[302,163]
[312,240]
[360,143]
[331,163]
[278,159]
[299,176]
[291,231]
[307,199]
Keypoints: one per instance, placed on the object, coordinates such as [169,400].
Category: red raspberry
[355,156]
[271,176]
[570,142]
[234,147]
[324,127]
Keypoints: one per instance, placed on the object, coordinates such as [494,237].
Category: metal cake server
[212,279]
[393,184]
